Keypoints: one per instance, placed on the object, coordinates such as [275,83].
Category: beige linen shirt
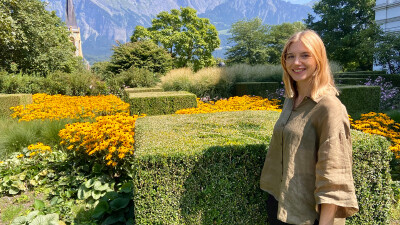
[309,161]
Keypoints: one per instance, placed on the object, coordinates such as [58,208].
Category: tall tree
[250,40]
[33,39]
[277,38]
[258,43]
[348,31]
[387,52]
[190,39]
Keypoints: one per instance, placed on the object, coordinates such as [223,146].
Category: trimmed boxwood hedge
[139,90]
[350,81]
[208,173]
[360,99]
[255,88]
[393,78]
[11,100]
[158,103]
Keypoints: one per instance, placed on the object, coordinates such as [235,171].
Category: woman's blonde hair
[322,82]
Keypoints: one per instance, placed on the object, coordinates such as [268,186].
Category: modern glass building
[387,15]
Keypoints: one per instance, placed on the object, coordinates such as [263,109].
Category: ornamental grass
[110,138]
[380,124]
[236,103]
[55,107]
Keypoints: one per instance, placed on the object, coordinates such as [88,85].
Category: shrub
[140,54]
[256,73]
[136,77]
[212,82]
[197,169]
[10,100]
[218,82]
[390,95]
[108,140]
[263,89]
[77,83]
[177,80]
[355,100]
[156,103]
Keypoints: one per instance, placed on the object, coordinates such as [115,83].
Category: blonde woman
[308,167]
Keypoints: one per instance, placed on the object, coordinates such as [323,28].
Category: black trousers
[272,210]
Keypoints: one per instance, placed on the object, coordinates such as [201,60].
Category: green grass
[185,134]
[11,212]
[14,135]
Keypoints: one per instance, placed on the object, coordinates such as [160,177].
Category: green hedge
[157,103]
[139,90]
[350,81]
[362,72]
[360,99]
[255,88]
[393,78]
[198,169]
[11,100]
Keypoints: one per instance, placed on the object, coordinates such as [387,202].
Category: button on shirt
[309,161]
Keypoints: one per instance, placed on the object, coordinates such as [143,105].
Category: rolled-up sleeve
[334,180]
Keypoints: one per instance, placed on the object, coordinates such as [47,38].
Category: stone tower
[73,28]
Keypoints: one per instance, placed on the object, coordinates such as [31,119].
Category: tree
[141,54]
[189,39]
[257,43]
[277,38]
[348,31]
[32,39]
[250,39]
[387,52]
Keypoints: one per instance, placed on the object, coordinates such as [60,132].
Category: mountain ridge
[103,22]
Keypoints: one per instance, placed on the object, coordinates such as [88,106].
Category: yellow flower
[20,156]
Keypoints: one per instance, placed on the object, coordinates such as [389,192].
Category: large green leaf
[99,187]
[50,219]
[19,221]
[127,187]
[84,193]
[97,194]
[119,203]
[39,204]
[101,208]
[90,182]
[115,218]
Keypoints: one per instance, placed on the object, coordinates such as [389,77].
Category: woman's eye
[306,56]
[290,56]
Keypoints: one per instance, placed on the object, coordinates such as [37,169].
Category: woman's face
[300,63]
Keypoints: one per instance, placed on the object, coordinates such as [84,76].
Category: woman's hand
[327,215]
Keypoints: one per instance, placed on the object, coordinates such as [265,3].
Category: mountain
[103,22]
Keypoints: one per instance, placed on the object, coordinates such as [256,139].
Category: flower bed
[380,124]
[233,104]
[54,107]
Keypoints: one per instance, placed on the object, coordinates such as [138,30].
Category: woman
[308,167]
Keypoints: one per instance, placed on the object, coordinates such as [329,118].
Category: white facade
[387,15]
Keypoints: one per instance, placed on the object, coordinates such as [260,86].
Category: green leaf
[50,219]
[117,217]
[97,194]
[101,208]
[32,215]
[99,187]
[90,182]
[84,193]
[38,204]
[119,203]
[19,221]
[127,187]
[13,191]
